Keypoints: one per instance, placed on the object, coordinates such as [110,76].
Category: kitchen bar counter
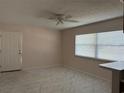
[114,66]
[117,69]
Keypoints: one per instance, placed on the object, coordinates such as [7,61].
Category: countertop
[113,65]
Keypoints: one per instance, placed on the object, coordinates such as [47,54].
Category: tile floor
[52,80]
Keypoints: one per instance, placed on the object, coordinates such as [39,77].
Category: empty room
[61,46]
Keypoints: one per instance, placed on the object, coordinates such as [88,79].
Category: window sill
[105,60]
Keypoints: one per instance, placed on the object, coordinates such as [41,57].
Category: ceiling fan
[61,18]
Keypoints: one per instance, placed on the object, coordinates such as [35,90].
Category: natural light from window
[104,45]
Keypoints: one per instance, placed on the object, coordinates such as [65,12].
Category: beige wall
[41,47]
[86,64]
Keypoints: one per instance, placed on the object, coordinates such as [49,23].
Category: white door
[0,49]
[11,51]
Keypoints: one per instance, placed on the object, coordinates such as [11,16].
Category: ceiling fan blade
[74,21]
[54,14]
[68,16]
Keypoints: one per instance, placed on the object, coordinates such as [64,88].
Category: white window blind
[85,45]
[111,45]
[105,45]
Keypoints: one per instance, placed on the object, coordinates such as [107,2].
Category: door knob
[20,52]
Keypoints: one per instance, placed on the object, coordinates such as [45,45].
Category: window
[85,45]
[105,45]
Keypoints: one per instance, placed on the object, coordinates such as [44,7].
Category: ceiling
[33,12]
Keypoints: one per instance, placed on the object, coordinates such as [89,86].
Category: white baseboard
[83,71]
[42,67]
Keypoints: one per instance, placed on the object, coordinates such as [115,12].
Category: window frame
[96,49]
